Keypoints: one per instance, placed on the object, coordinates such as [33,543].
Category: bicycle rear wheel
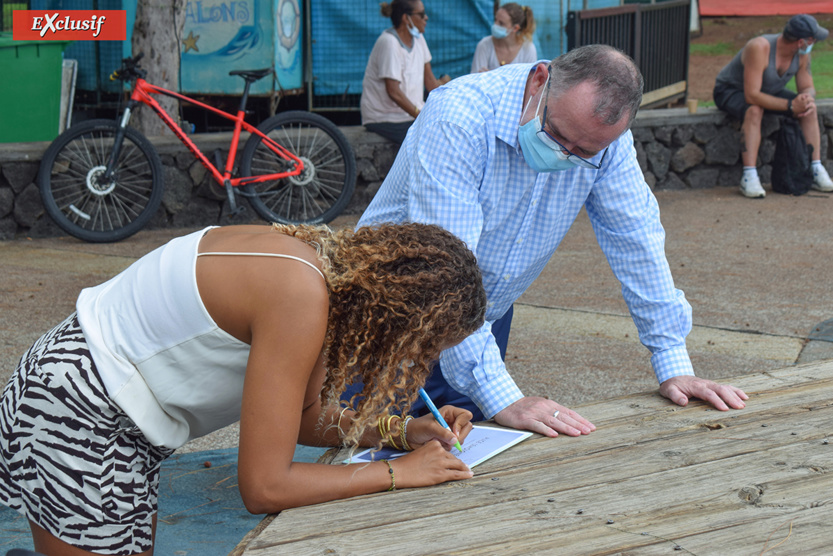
[81,202]
[321,191]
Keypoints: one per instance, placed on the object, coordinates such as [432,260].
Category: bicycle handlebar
[129,69]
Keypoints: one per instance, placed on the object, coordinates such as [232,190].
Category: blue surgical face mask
[499,32]
[806,50]
[413,29]
[538,154]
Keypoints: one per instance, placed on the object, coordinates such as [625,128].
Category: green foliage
[822,68]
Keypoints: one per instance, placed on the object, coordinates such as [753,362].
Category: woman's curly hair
[399,293]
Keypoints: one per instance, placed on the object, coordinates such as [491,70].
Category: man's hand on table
[536,415]
[680,389]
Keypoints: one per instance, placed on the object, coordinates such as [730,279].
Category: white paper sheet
[481,444]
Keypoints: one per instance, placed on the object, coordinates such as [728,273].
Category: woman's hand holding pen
[424,429]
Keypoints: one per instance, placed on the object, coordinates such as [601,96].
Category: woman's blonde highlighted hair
[399,293]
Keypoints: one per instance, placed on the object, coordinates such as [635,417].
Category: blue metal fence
[343,33]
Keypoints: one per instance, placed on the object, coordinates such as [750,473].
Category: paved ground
[755,271]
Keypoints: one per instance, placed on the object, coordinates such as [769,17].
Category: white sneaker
[821,179]
[750,186]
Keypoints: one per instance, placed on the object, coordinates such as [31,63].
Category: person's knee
[753,116]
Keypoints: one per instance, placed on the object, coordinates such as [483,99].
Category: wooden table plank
[700,478]
[784,477]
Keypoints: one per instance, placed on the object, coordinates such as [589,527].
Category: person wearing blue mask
[506,160]
[398,72]
[510,41]
[754,83]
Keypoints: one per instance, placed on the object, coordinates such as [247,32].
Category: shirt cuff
[672,362]
[502,392]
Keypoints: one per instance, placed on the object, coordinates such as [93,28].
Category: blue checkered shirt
[461,167]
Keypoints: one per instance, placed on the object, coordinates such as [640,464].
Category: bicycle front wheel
[78,197]
[321,191]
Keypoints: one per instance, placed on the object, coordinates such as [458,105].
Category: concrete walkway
[756,272]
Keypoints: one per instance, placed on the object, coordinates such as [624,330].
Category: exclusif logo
[69,25]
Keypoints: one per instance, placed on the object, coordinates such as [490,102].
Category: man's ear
[539,78]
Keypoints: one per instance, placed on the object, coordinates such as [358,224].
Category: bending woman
[260,324]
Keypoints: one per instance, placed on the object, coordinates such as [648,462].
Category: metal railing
[656,36]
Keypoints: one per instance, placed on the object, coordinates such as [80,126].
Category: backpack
[792,173]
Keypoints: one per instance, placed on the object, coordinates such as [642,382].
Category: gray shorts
[70,460]
[733,102]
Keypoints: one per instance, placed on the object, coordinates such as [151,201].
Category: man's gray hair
[615,75]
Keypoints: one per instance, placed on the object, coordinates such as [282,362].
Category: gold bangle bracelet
[403,433]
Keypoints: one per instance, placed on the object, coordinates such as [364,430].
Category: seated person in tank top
[755,82]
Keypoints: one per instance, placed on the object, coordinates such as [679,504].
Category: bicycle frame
[142,93]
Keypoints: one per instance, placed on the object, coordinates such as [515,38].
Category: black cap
[803,26]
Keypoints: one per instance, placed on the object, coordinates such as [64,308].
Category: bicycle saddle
[251,75]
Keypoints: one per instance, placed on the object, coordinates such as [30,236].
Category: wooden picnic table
[654,478]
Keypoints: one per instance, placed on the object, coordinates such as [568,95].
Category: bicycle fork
[117,141]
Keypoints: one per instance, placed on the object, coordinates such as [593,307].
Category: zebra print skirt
[70,460]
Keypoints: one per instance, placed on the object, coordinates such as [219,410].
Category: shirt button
[519,241]
[507,277]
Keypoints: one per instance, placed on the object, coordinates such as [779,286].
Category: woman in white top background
[510,41]
[398,72]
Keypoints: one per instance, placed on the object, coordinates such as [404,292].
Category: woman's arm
[432,82]
[396,95]
[331,429]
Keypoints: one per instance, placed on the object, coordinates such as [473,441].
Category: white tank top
[162,358]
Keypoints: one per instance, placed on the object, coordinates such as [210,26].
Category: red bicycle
[102,180]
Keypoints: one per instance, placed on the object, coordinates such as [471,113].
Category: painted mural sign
[224,35]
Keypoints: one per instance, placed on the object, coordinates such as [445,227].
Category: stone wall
[678,150]
[675,149]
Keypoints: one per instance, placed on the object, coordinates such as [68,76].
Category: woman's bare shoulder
[240,291]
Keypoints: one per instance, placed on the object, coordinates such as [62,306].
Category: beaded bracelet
[392,477]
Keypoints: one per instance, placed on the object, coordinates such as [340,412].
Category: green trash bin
[30,89]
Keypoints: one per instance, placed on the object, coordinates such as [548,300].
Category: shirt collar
[510,107]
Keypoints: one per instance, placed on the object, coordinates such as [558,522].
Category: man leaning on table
[479,162]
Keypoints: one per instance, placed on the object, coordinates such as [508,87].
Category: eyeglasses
[553,143]
[421,14]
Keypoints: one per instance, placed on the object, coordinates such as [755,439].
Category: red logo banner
[69,25]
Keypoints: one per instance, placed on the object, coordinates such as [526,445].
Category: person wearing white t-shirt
[510,41]
[398,72]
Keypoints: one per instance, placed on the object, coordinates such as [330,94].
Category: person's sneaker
[750,186]
[821,179]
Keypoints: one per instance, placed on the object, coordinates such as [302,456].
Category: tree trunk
[157,33]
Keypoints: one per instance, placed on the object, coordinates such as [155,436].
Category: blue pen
[436,413]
